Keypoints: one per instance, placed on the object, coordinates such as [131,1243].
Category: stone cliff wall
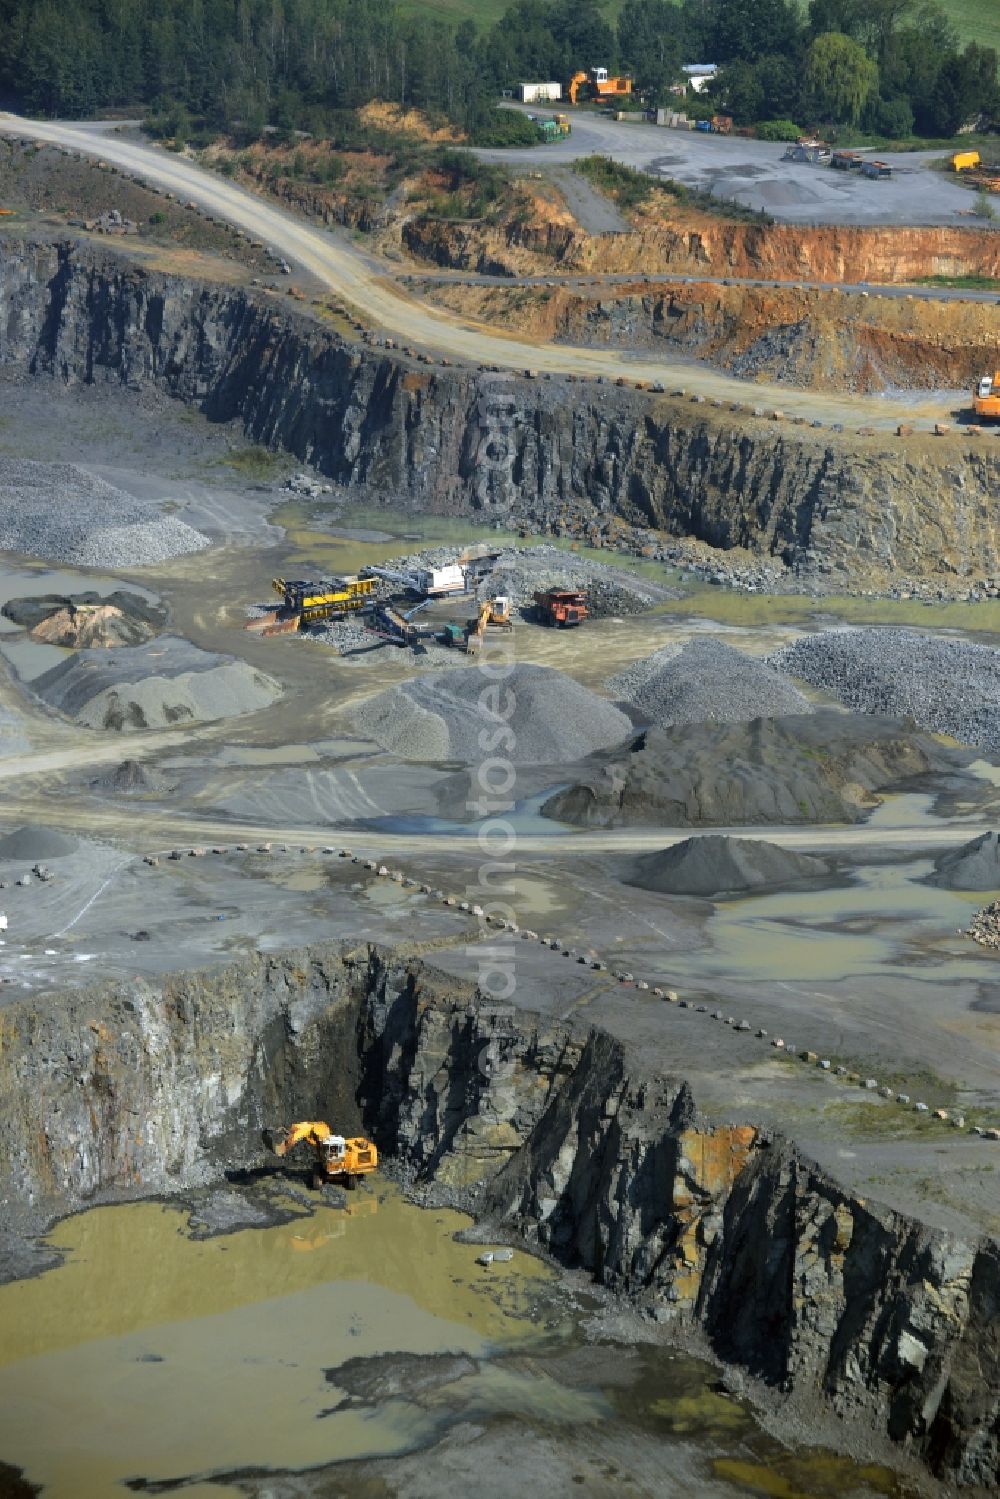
[561,1136]
[455,441]
[711,246]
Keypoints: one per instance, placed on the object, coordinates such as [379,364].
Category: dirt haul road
[355,280]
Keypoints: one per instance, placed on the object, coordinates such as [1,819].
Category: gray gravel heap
[440,717]
[149,686]
[59,513]
[715,865]
[36,842]
[705,682]
[974,866]
[950,686]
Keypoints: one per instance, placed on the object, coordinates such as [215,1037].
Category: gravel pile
[519,571]
[949,686]
[440,717]
[984,927]
[974,866]
[166,682]
[34,842]
[705,682]
[59,513]
[716,865]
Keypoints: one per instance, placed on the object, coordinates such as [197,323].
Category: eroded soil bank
[559,1138]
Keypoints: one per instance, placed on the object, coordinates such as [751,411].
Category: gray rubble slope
[951,686]
[974,866]
[61,513]
[151,686]
[717,865]
[705,680]
[820,767]
[551,719]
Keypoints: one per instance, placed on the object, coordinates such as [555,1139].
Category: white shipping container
[536,93]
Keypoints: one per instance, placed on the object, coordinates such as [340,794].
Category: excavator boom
[336,1158]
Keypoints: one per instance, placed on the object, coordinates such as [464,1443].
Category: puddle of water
[904,809]
[32,658]
[282,754]
[754,609]
[28,583]
[525,817]
[840,933]
[150,1354]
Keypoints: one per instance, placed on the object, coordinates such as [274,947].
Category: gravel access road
[356,279]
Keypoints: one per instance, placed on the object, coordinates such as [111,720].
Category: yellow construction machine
[493,614]
[986,395]
[336,1158]
[598,85]
[303,603]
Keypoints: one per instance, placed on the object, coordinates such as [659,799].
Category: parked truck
[561,607]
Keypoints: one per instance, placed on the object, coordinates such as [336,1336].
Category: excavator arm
[311,1131]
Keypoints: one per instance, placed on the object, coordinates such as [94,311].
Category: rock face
[809,767]
[454,441]
[715,865]
[563,1136]
[836,254]
[974,866]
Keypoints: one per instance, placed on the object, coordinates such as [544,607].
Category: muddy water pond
[153,1357]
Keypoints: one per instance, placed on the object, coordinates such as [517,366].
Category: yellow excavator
[336,1158]
[493,614]
[986,395]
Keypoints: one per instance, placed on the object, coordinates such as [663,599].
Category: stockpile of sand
[165,682]
[552,719]
[716,865]
[705,682]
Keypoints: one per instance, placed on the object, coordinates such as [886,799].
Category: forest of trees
[892,67]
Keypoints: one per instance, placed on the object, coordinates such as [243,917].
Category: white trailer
[539,93]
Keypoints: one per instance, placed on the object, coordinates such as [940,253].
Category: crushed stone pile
[440,716]
[35,842]
[165,682]
[950,686]
[60,513]
[717,865]
[984,927]
[517,572]
[705,681]
[974,866]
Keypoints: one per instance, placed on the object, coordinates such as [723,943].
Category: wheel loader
[336,1159]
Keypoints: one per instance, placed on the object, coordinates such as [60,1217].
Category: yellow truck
[965,161]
